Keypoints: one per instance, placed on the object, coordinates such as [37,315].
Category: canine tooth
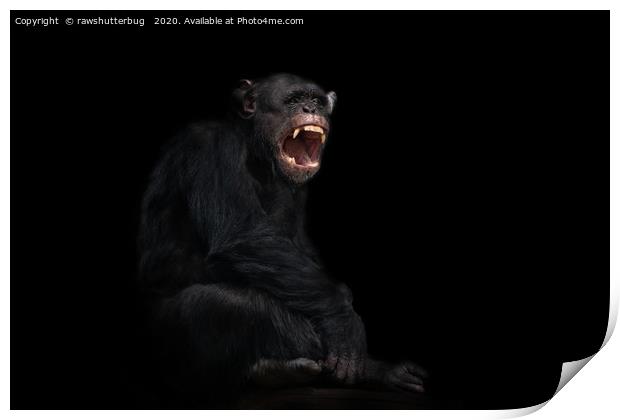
[322,138]
[296,132]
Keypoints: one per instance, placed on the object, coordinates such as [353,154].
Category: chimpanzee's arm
[273,264]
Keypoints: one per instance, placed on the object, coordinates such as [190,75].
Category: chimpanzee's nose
[309,108]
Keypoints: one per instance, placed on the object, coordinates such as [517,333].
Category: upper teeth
[314,128]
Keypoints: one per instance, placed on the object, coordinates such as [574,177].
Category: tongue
[302,158]
[312,150]
[297,149]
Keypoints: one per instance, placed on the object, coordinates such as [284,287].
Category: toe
[411,387]
[306,366]
[416,370]
[410,379]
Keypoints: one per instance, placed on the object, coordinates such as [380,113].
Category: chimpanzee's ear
[244,98]
[331,101]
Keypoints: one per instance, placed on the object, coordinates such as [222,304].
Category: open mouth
[302,147]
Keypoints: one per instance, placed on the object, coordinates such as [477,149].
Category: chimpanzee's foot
[275,373]
[404,376]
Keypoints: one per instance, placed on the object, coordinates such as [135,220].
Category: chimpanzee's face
[291,117]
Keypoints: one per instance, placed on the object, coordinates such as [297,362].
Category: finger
[351,372]
[330,362]
[341,368]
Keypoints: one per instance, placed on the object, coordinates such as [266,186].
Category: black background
[463,194]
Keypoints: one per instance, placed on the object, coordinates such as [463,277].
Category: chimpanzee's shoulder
[191,137]
[207,128]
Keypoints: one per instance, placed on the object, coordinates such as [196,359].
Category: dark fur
[230,275]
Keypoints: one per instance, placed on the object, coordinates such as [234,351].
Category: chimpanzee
[236,292]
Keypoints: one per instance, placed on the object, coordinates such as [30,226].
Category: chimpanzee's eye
[294,97]
[321,101]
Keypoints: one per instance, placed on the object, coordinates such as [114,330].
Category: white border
[314,5]
[593,395]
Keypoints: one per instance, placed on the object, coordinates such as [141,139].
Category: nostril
[308,109]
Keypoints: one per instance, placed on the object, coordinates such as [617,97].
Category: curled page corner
[570,369]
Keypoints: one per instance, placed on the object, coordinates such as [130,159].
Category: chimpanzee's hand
[345,342]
